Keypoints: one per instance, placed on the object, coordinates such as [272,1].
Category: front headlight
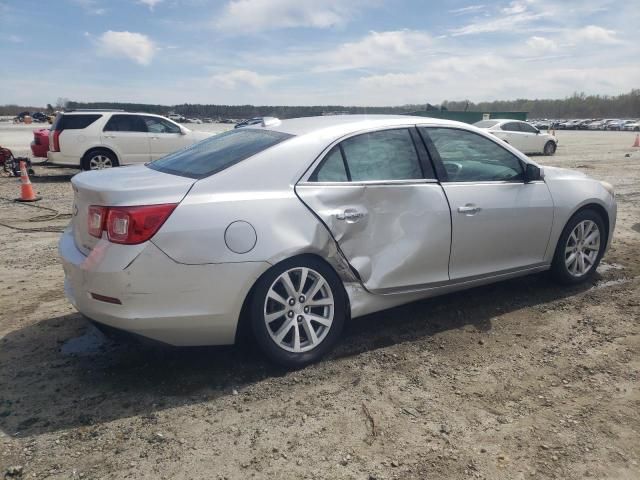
[609,188]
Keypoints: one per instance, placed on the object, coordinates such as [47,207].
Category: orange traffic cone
[26,189]
[637,142]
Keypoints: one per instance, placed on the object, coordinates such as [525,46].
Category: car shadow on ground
[50,178]
[61,373]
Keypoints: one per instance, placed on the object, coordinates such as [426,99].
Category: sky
[315,52]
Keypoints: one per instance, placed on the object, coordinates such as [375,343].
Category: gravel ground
[517,380]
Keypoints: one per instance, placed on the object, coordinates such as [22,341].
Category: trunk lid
[119,187]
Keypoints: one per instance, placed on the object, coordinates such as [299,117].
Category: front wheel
[550,148]
[298,310]
[579,248]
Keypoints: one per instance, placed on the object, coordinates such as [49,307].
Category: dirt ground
[517,380]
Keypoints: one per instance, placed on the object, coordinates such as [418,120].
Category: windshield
[218,152]
[486,123]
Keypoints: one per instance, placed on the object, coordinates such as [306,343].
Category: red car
[40,144]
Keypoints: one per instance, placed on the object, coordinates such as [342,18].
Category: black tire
[636,129]
[258,304]
[86,159]
[559,269]
[550,148]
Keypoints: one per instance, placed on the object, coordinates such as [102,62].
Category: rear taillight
[96,218]
[55,146]
[128,225]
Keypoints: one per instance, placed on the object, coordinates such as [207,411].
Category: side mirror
[183,131]
[532,173]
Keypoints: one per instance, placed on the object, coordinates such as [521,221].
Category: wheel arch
[243,330]
[598,209]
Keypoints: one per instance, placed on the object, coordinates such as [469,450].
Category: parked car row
[99,139]
[616,124]
[38,117]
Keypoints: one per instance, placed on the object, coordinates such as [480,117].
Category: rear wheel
[579,248]
[298,310]
[550,148]
[99,160]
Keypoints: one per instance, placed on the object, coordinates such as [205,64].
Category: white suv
[95,139]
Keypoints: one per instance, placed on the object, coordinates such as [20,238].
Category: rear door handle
[350,215]
[109,136]
[469,209]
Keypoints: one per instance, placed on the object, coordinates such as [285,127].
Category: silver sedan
[290,228]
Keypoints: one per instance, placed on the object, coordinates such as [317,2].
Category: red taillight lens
[128,225]
[55,147]
[96,220]
[133,225]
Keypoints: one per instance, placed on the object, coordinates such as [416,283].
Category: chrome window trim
[363,183]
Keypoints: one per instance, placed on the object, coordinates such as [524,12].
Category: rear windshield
[486,123]
[74,122]
[218,152]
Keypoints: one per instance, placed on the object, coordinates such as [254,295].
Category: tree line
[579,105]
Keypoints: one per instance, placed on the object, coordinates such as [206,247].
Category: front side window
[469,157]
[159,125]
[218,152]
[525,127]
[125,123]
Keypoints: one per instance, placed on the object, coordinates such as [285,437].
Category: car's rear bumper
[58,158]
[159,299]
[39,150]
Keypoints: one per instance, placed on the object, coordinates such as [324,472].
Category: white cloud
[467,10]
[134,46]
[150,3]
[237,78]
[375,50]
[540,45]
[92,7]
[595,34]
[250,16]
[515,7]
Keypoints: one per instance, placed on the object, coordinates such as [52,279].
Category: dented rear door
[395,232]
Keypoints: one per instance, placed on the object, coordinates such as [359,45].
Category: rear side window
[511,127]
[125,123]
[218,152]
[486,123]
[74,122]
[333,168]
[377,156]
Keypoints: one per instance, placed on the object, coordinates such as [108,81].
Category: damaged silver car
[295,226]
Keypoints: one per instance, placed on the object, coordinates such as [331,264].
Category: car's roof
[345,124]
[116,112]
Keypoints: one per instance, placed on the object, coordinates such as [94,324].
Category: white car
[95,139]
[632,126]
[521,135]
[289,228]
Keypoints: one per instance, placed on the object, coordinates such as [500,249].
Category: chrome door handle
[109,136]
[350,215]
[469,209]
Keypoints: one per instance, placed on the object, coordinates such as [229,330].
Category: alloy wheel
[299,309]
[100,162]
[582,248]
